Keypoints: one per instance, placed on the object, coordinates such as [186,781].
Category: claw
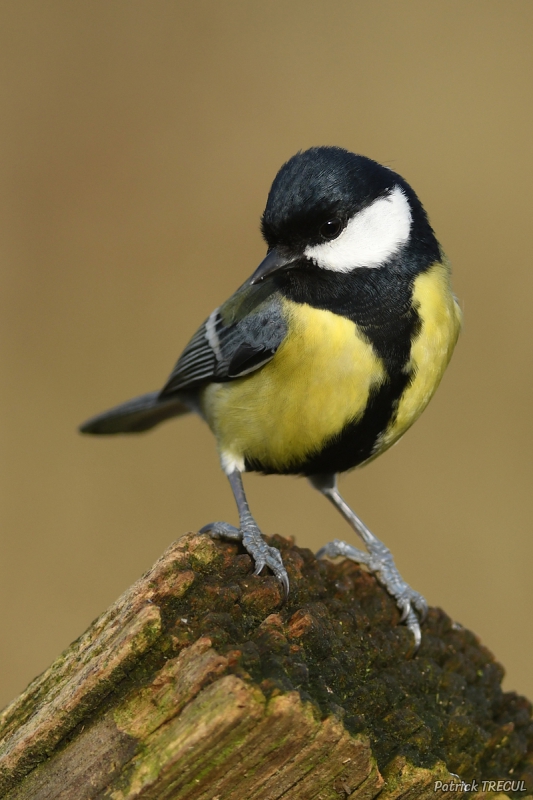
[326,551]
[379,561]
[262,555]
[283,578]
[221,530]
[405,607]
[338,548]
[414,626]
[273,560]
[207,528]
[276,565]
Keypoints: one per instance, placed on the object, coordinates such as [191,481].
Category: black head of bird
[340,211]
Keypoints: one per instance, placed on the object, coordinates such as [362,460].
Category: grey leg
[378,559]
[250,535]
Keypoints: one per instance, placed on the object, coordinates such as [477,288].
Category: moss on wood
[198,683]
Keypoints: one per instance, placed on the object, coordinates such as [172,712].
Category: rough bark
[199,684]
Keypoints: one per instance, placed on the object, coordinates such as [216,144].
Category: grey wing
[229,346]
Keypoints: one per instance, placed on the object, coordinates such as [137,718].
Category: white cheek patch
[370,238]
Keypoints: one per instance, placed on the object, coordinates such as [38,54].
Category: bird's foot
[379,560]
[262,554]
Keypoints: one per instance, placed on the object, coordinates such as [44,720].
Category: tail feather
[136,415]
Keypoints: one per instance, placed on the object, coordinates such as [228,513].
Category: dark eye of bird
[331,229]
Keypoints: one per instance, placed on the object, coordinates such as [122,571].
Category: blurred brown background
[138,144]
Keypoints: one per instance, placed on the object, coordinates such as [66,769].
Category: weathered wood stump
[199,684]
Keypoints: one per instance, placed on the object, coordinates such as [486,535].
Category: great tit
[326,355]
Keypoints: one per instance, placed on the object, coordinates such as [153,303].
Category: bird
[325,356]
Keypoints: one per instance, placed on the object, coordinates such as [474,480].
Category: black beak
[273,262]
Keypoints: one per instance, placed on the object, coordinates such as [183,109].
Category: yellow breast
[319,379]
[431,351]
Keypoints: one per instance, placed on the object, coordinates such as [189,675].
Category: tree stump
[199,684]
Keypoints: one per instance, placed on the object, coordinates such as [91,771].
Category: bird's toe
[222,530]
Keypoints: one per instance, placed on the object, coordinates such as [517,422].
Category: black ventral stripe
[355,443]
[379,301]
